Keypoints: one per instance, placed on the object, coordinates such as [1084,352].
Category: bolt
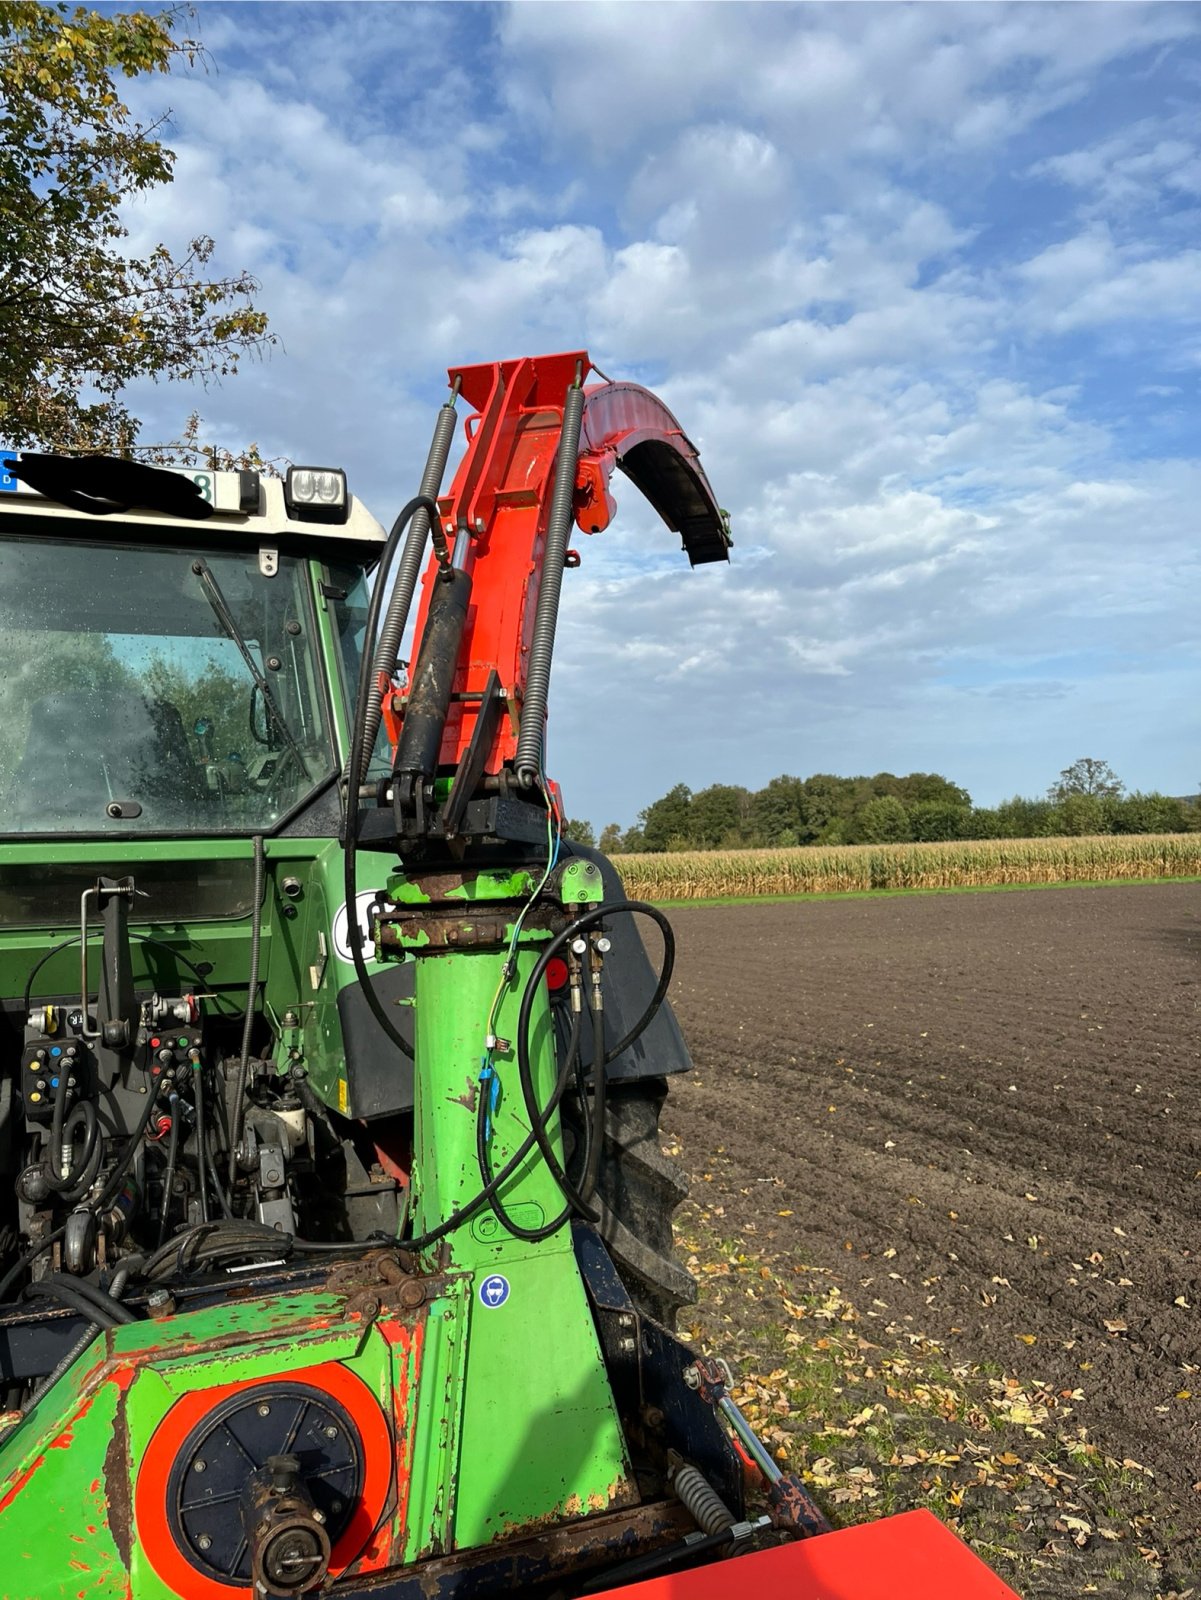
[627,1346]
[625,1320]
[204,1542]
[331,1432]
[160,1303]
[199,1466]
[318,1516]
[335,1506]
[479,524]
[264,1410]
[692,1377]
[273,1177]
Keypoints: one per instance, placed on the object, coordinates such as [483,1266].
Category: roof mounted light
[316,494]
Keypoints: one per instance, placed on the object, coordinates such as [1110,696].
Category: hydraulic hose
[599,1084]
[355,765]
[198,1103]
[407,573]
[539,1121]
[252,987]
[169,1171]
[62,1137]
[27,1258]
[530,741]
[90,1302]
[92,1154]
[579,1199]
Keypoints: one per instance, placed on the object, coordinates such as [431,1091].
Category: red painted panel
[909,1557]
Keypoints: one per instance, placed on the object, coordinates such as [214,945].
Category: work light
[318,494]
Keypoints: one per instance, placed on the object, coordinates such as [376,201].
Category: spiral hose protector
[407,573]
[702,1502]
[537,684]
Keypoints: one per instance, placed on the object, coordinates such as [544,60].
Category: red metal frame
[912,1556]
[500,499]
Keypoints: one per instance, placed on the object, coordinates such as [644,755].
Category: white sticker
[494,1290]
[341,928]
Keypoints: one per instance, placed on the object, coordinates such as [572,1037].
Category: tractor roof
[243,506]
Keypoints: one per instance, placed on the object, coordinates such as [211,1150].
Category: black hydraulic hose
[52,1166]
[198,1103]
[599,1082]
[531,739]
[117,1176]
[407,573]
[92,1153]
[495,1182]
[355,766]
[28,1257]
[169,1172]
[577,1197]
[252,989]
[539,1120]
[97,1307]
[210,1162]
[594,1125]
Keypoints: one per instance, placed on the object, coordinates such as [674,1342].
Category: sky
[922,283]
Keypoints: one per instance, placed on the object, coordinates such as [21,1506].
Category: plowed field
[983,1112]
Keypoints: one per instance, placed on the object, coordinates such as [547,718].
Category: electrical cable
[252,989]
[355,766]
[142,938]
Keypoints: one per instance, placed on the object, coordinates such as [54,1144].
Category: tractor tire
[639,1189]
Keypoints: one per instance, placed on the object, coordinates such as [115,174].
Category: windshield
[155,690]
[351,597]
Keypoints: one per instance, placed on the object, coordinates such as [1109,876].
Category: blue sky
[922,282]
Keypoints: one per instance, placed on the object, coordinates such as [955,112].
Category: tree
[580,832]
[666,820]
[883,820]
[77,314]
[775,811]
[1087,776]
[937,819]
[610,839]
[716,816]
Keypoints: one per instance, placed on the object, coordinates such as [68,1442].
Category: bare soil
[977,1117]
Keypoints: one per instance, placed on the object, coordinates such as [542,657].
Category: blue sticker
[8,483]
[494,1291]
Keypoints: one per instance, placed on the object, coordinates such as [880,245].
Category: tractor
[335,1232]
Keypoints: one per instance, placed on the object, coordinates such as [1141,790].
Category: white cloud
[868,254]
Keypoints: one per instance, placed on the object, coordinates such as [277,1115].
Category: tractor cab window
[348,586]
[154,690]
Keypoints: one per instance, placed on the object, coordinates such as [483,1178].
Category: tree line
[1086,798]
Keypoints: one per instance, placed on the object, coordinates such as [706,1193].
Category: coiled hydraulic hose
[62,1138]
[407,573]
[530,741]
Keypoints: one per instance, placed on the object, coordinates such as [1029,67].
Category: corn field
[839,869]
